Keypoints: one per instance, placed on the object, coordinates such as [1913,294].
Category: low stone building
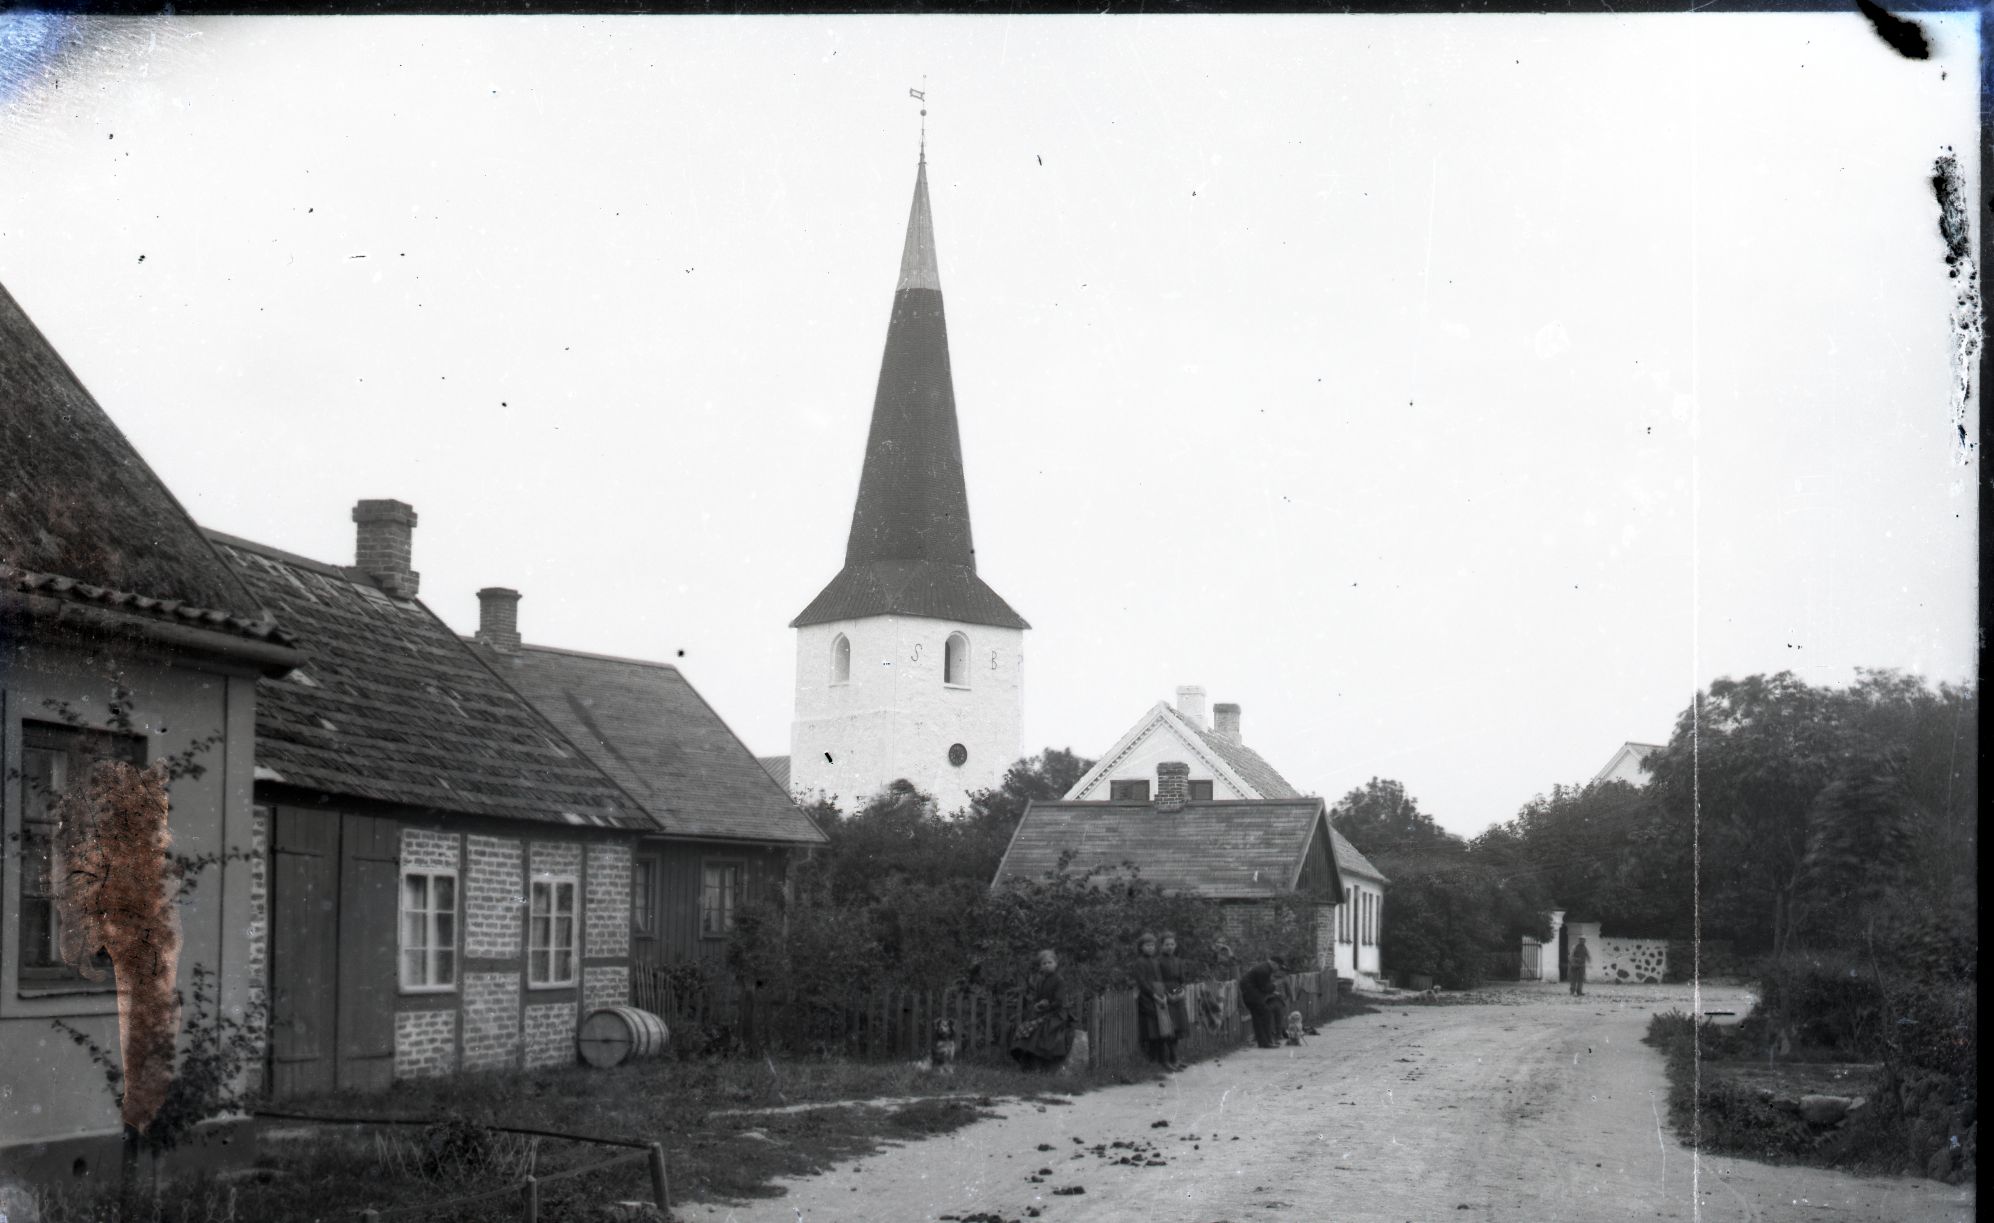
[727,833]
[1239,852]
[450,876]
[1223,766]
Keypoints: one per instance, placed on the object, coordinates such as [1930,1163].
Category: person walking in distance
[1577,972]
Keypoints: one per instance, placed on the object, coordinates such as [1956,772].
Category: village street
[1536,1107]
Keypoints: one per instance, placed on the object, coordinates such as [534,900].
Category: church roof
[910,551]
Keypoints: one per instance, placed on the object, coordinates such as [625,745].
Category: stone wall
[494,889]
[1643,960]
[425,1043]
[491,1020]
[608,917]
[550,1035]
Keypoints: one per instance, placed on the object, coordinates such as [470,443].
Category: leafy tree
[1380,818]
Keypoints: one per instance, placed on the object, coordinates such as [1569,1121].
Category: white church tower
[908,665]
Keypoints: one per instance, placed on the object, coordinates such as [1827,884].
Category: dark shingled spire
[910,552]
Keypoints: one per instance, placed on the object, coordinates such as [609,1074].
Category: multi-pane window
[53,760]
[643,885]
[550,932]
[1201,791]
[429,930]
[1136,791]
[719,893]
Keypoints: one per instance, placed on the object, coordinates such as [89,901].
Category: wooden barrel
[613,1033]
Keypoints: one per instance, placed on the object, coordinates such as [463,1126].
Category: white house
[1626,764]
[1224,767]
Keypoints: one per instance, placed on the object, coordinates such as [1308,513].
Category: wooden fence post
[660,1190]
[529,1194]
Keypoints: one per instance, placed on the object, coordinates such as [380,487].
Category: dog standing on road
[944,1047]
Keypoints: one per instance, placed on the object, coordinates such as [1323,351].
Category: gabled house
[1238,852]
[1223,767]
[123,635]
[449,875]
[725,832]
[1626,764]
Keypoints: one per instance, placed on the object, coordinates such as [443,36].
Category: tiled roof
[172,611]
[1254,770]
[777,767]
[910,551]
[78,504]
[1233,849]
[392,705]
[650,730]
[1350,860]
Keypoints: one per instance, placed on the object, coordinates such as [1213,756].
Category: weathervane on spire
[921,96]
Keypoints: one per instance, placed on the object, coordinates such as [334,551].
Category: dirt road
[1543,1107]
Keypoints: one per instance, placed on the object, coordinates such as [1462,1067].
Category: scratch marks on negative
[1956,228]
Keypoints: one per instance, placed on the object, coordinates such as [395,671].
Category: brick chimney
[498,618]
[1191,704]
[1173,785]
[1225,721]
[383,548]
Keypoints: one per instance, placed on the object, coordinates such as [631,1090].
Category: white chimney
[1191,704]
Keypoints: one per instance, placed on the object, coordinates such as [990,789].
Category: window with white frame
[550,932]
[841,659]
[429,930]
[719,893]
[1343,921]
[54,760]
[955,661]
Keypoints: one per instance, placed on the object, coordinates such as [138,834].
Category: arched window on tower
[955,661]
[841,659]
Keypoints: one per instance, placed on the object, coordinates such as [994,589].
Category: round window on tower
[958,754]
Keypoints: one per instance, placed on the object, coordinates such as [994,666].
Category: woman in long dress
[1152,1002]
[1045,1035]
[1176,986]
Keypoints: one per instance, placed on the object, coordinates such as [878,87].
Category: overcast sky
[1455,394]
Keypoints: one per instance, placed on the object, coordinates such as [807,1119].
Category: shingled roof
[645,726]
[909,551]
[392,705]
[82,517]
[1236,849]
[1267,782]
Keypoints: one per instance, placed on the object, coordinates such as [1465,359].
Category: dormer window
[955,661]
[841,659]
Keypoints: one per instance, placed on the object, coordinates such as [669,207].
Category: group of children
[1163,1008]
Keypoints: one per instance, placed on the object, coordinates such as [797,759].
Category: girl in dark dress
[1152,1002]
[1045,1035]
[1176,984]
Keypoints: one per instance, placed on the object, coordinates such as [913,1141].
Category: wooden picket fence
[894,1023]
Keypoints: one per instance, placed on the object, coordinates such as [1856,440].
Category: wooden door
[304,938]
[369,880]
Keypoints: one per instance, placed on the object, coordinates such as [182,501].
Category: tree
[1801,793]
[1382,819]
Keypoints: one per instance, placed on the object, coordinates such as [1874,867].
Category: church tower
[907,664]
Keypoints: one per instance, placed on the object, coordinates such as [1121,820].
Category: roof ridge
[279,554]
